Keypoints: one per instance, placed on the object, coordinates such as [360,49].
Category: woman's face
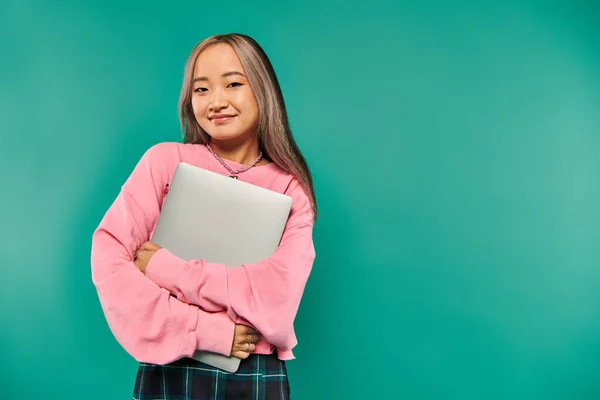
[222,100]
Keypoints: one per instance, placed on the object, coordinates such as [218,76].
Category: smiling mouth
[221,119]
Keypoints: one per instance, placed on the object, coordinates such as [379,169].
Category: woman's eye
[234,84]
[200,89]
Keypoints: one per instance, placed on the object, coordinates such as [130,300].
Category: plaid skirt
[259,377]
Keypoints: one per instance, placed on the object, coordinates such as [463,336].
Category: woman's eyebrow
[226,74]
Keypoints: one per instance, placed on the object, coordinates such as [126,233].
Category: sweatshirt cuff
[215,332]
[164,269]
[285,355]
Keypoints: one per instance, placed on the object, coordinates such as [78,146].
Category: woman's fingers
[246,330]
[246,334]
[242,355]
[247,338]
[252,338]
[245,346]
[244,341]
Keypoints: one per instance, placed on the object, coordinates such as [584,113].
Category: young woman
[162,309]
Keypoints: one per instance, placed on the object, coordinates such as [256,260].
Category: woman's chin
[222,136]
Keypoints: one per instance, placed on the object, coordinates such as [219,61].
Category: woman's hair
[273,129]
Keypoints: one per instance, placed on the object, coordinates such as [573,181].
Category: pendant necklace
[234,172]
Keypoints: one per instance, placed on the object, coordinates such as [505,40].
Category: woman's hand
[144,254]
[243,341]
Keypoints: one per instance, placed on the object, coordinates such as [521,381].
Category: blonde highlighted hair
[273,129]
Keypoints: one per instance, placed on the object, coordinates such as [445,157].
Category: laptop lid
[222,220]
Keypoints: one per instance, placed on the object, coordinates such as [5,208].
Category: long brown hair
[274,132]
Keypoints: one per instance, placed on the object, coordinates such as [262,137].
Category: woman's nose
[217,101]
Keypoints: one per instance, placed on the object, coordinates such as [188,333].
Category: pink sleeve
[267,293]
[150,324]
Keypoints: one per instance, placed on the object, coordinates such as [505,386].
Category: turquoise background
[455,148]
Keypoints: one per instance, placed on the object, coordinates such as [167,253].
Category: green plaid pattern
[259,377]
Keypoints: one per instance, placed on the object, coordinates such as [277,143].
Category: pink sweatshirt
[180,306]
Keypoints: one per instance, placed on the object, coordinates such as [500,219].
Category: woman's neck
[242,152]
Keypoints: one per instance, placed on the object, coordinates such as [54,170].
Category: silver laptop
[222,220]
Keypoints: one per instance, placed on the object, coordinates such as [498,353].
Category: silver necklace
[234,172]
